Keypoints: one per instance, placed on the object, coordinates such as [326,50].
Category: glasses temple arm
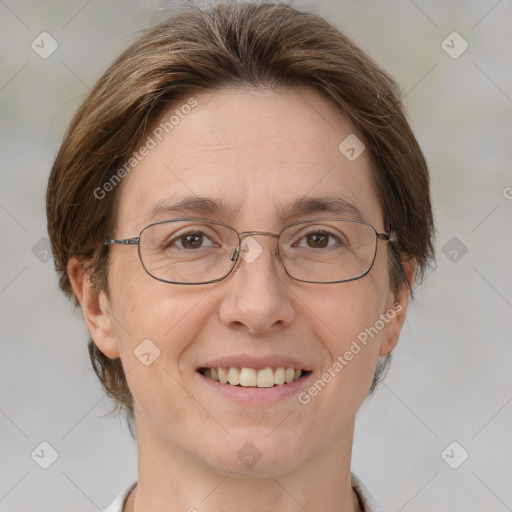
[125,241]
[391,236]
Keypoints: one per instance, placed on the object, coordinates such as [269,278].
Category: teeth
[280,377]
[249,377]
[234,376]
[265,378]
[223,376]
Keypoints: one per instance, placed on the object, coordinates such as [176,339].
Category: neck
[171,478]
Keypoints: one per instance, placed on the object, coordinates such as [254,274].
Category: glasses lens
[187,251]
[329,251]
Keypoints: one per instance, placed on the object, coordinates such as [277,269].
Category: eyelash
[303,236]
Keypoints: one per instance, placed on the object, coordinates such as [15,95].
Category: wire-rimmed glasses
[199,251]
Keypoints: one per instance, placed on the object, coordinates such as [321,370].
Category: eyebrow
[307,205]
[195,204]
[302,206]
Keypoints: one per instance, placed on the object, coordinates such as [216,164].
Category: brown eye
[190,238]
[317,240]
[191,241]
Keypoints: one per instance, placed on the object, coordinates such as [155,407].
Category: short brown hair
[236,44]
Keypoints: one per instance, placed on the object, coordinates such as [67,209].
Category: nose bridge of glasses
[247,244]
[245,234]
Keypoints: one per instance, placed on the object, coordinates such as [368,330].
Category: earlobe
[95,308]
[396,311]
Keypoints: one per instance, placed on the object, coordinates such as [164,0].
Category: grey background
[450,379]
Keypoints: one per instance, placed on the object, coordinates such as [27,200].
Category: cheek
[160,326]
[339,317]
[348,308]
[347,316]
[146,309]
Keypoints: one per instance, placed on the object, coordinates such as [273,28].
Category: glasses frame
[388,237]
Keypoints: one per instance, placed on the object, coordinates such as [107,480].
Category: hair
[244,44]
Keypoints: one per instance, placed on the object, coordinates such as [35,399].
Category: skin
[256,149]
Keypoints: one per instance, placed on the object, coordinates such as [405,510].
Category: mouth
[254,377]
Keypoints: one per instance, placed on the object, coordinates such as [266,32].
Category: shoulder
[118,503]
[368,502]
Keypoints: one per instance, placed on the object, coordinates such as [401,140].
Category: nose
[257,297]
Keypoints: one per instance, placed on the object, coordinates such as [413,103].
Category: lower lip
[253,395]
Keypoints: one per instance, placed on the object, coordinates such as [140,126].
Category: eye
[319,239]
[190,241]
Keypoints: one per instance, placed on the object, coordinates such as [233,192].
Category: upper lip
[248,361]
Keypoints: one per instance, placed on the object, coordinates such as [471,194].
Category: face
[254,153]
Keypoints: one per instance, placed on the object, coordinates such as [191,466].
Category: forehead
[247,155]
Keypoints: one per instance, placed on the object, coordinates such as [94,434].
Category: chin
[258,455]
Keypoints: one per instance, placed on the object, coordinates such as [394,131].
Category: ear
[396,311]
[95,308]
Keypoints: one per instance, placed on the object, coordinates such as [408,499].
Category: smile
[251,377]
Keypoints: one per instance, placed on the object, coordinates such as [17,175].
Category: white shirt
[368,503]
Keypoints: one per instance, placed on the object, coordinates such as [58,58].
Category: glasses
[197,251]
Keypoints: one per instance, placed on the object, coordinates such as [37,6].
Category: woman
[240,209]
